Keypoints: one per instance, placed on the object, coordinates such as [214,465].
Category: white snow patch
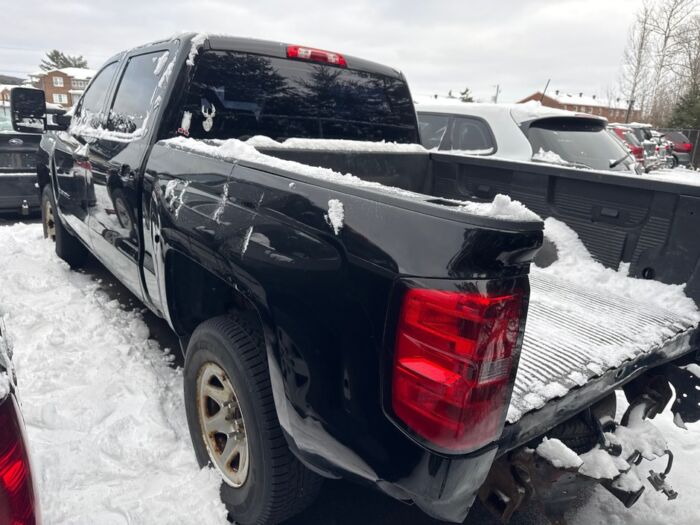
[197,42]
[558,454]
[693,369]
[549,157]
[160,62]
[166,74]
[336,215]
[678,175]
[503,207]
[4,385]
[246,241]
[104,410]
[186,121]
[261,141]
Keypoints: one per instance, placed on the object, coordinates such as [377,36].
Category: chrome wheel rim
[49,221]
[222,425]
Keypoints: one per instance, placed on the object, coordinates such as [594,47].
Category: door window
[432,128]
[134,98]
[93,99]
[472,134]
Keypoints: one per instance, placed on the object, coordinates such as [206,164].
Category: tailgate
[575,335]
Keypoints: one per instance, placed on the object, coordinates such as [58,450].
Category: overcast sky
[438,44]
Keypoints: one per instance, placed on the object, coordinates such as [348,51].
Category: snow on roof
[580,99]
[78,73]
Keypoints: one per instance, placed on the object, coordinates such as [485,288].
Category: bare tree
[636,60]
[686,62]
[667,22]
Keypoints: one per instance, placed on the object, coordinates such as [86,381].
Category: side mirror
[57,121]
[27,109]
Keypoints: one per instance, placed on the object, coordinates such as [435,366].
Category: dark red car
[627,136]
[18,500]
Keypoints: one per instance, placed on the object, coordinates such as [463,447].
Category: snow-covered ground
[106,421]
[103,408]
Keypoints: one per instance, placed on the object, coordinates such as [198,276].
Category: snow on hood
[502,207]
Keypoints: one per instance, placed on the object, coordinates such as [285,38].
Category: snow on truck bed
[585,319]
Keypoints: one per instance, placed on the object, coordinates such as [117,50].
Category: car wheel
[234,427]
[674,161]
[68,247]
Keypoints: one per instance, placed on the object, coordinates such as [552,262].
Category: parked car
[523,132]
[18,500]
[627,136]
[368,327]
[657,151]
[682,147]
[19,192]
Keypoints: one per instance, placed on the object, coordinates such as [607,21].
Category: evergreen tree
[56,59]
[466,95]
[686,113]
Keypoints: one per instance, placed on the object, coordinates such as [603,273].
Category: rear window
[240,95]
[676,136]
[471,134]
[581,142]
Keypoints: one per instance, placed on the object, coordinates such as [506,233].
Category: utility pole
[545,89]
[629,110]
[498,91]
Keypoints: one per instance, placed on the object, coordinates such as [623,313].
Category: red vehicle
[18,501]
[627,136]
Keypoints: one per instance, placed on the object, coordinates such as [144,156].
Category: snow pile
[235,150]
[104,410]
[549,157]
[558,454]
[467,152]
[335,215]
[160,62]
[261,141]
[575,264]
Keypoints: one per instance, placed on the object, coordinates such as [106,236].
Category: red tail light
[17,500]
[452,365]
[637,152]
[316,55]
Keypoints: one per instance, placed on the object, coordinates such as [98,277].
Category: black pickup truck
[356,325]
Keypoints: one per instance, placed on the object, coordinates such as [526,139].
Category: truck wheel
[234,427]
[68,247]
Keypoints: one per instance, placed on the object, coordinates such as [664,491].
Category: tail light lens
[316,55]
[17,499]
[452,365]
[637,152]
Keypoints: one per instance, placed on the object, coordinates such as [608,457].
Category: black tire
[68,247]
[277,484]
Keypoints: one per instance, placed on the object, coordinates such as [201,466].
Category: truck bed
[576,334]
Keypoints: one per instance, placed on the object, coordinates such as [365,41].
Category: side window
[470,134]
[93,99]
[432,128]
[134,94]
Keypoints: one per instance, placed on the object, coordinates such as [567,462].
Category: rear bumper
[18,193]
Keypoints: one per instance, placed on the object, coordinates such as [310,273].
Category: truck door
[73,172]
[116,158]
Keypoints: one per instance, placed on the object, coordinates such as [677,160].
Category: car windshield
[239,95]
[579,141]
[5,122]
[631,138]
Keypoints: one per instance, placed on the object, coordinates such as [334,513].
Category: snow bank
[103,408]
[503,207]
[677,175]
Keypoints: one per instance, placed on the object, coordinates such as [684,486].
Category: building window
[58,81]
[60,98]
[79,84]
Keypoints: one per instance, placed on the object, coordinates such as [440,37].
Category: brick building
[62,86]
[613,110]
